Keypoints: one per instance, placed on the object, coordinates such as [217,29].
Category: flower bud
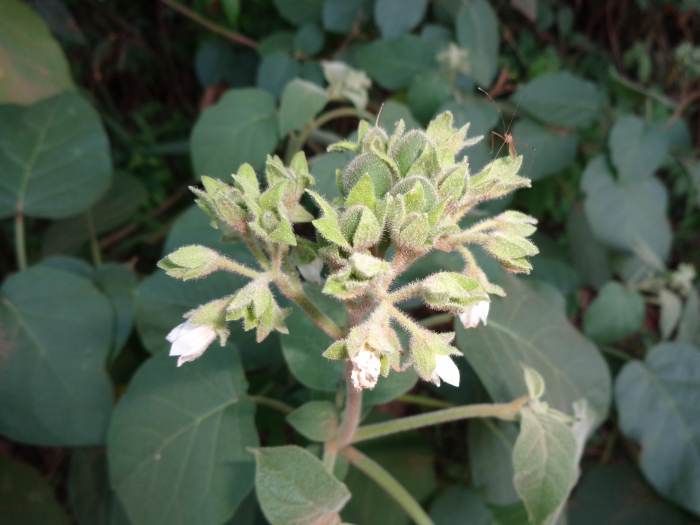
[189,341]
[453,292]
[446,370]
[372,165]
[357,277]
[510,251]
[191,262]
[346,82]
[498,178]
[428,351]
[360,226]
[366,367]
[473,313]
[255,304]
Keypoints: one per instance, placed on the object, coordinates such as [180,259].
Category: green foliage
[615,314]
[315,420]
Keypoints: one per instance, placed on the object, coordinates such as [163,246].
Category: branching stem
[349,423]
[280,406]
[405,293]
[233,266]
[294,291]
[506,411]
[381,477]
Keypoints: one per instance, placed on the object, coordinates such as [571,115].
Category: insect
[507,138]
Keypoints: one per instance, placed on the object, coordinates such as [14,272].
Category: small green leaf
[33,138]
[275,71]
[315,420]
[301,100]
[458,504]
[637,149]
[587,255]
[658,400]
[544,459]
[293,486]
[671,308]
[26,498]
[427,92]
[477,33]
[535,383]
[299,12]
[328,225]
[309,40]
[491,459]
[397,17]
[615,314]
[389,388]
[33,65]
[561,99]
[178,438]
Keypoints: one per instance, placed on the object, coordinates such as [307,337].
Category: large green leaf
[561,99]
[123,198]
[304,345]
[618,495]
[587,255]
[177,442]
[32,63]
[491,459]
[241,127]
[119,283]
[161,301]
[393,112]
[54,158]
[544,459]
[26,498]
[659,404]
[528,327]
[614,314]
[409,461]
[626,216]
[428,91]
[293,486]
[637,149]
[301,100]
[477,33]
[339,16]
[459,505]
[394,64]
[323,169]
[397,17]
[57,329]
[276,71]
[315,420]
[300,12]
[544,152]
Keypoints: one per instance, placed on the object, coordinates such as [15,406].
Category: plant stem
[405,293]
[233,266]
[349,424]
[436,320]
[381,477]
[94,244]
[295,292]
[273,403]
[424,401]
[405,321]
[255,249]
[468,256]
[20,244]
[211,26]
[505,411]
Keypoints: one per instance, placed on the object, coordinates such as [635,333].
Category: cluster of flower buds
[402,196]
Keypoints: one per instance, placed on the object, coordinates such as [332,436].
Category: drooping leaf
[460,504]
[54,157]
[301,100]
[637,149]
[118,205]
[544,152]
[276,71]
[477,33]
[491,459]
[315,420]
[293,486]
[397,17]
[304,345]
[26,498]
[618,495]
[241,127]
[544,459]
[32,63]
[614,314]
[626,216]
[658,400]
[56,330]
[394,64]
[177,442]
[561,99]
[529,327]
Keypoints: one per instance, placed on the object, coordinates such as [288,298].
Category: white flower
[446,370]
[474,313]
[190,340]
[312,271]
[366,367]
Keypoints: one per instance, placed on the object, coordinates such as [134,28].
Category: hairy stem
[381,477]
[505,411]
[294,291]
[211,26]
[259,254]
[233,266]
[20,244]
[405,321]
[468,256]
[349,424]
[436,320]
[424,401]
[405,293]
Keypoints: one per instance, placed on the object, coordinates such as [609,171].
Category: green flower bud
[498,178]
[510,251]
[451,291]
[408,149]
[357,277]
[428,350]
[372,165]
[360,226]
[221,202]
[247,182]
[418,192]
[212,314]
[255,304]
[191,262]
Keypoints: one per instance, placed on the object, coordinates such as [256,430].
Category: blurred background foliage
[110,109]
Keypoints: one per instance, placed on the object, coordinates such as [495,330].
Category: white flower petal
[191,341]
[312,271]
[474,313]
[179,331]
[447,369]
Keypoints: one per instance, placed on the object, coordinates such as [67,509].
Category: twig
[280,406]
[211,26]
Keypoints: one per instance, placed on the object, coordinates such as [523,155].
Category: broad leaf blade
[659,404]
[637,149]
[54,158]
[177,443]
[294,487]
[57,329]
[397,17]
[477,32]
[301,100]
[614,314]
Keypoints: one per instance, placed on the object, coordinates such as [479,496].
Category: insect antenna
[505,136]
